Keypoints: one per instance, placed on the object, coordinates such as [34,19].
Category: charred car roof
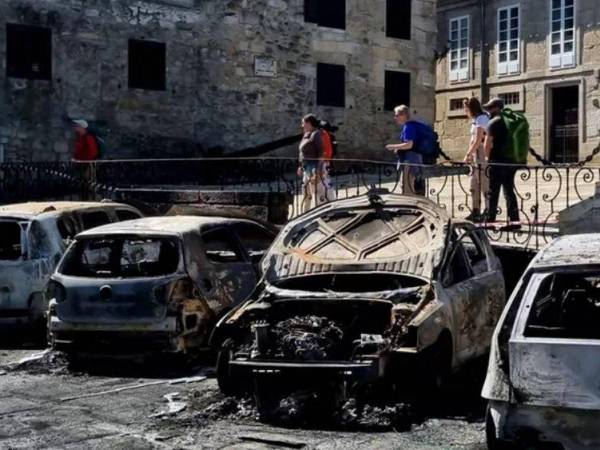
[34,209]
[171,225]
[571,250]
[383,233]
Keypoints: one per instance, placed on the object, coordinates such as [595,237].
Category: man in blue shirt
[409,159]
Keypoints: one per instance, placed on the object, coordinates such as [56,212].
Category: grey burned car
[367,290]
[542,382]
[152,285]
[33,237]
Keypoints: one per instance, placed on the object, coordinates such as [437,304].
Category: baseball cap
[495,102]
[82,123]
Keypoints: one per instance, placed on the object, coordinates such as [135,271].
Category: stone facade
[535,80]
[213,97]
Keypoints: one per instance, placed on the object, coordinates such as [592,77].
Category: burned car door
[229,277]
[255,239]
[554,348]
[470,286]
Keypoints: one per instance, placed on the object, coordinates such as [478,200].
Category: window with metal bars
[456,104]
[459,48]
[509,40]
[511,98]
[562,33]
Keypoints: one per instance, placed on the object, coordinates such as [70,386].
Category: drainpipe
[483,55]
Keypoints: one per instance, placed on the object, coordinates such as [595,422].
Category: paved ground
[44,405]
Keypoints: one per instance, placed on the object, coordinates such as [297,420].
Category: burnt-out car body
[542,382]
[33,237]
[362,290]
[152,285]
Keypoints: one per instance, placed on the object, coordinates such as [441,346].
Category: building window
[28,52]
[456,104]
[329,13]
[398,19]
[562,35]
[331,85]
[147,65]
[508,40]
[511,98]
[397,89]
[459,49]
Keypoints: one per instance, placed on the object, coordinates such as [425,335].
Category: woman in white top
[475,157]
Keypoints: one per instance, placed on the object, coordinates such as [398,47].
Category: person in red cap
[86,148]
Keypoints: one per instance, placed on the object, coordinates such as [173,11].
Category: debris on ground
[397,417]
[174,405]
[135,386]
[46,362]
[272,439]
[308,338]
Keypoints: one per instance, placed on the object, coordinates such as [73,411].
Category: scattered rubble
[46,362]
[174,405]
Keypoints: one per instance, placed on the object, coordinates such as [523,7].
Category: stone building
[181,77]
[541,56]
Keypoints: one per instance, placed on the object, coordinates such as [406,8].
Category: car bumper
[550,427]
[115,338]
[363,371]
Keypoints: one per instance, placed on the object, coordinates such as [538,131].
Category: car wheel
[228,384]
[492,441]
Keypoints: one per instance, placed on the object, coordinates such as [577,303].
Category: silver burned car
[362,291]
[542,383]
[33,237]
[152,285]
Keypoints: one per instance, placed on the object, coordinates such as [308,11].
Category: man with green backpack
[506,146]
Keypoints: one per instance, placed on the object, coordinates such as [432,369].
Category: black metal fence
[541,191]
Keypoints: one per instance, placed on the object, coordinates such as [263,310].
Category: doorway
[564,124]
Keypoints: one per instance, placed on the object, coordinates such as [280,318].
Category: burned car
[152,285]
[33,237]
[363,291]
[542,382]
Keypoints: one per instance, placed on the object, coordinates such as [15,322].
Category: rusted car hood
[380,233]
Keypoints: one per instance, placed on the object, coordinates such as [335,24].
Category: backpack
[428,144]
[517,146]
[100,143]
[327,145]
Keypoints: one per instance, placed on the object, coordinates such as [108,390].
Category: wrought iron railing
[541,191]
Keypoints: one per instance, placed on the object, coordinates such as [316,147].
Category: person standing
[476,158]
[408,157]
[502,168]
[86,148]
[311,153]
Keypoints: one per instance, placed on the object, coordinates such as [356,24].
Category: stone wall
[535,79]
[213,99]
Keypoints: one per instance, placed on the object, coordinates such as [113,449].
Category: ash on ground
[46,362]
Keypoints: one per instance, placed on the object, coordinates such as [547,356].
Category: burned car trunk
[377,288]
[150,285]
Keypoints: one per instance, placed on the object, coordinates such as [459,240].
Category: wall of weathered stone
[212,96]
[535,79]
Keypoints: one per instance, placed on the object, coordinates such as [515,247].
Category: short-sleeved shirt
[311,146]
[497,130]
[481,121]
[410,132]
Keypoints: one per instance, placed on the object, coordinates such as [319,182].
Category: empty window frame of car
[221,246]
[12,245]
[127,214]
[122,257]
[93,219]
[566,305]
[255,239]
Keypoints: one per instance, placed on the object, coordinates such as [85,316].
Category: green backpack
[517,146]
